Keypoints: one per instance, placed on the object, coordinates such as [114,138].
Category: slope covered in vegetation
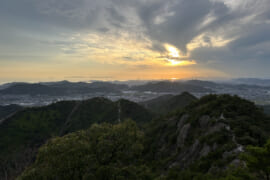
[266,109]
[206,137]
[215,137]
[22,134]
[101,152]
[8,110]
[168,103]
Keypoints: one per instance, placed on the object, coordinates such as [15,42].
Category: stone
[217,127]
[182,121]
[204,121]
[205,150]
[236,163]
[215,146]
[182,135]
[222,117]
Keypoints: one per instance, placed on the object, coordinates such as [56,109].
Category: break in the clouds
[215,37]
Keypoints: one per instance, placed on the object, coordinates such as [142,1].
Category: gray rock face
[222,117]
[182,135]
[205,150]
[237,150]
[182,121]
[215,146]
[236,163]
[217,127]
[195,146]
[227,154]
[188,155]
[204,121]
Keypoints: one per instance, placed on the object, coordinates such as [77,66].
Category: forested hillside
[168,103]
[8,110]
[206,138]
[216,137]
[266,109]
[22,134]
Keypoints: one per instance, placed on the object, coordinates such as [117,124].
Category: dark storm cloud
[186,23]
[252,36]
[179,28]
[247,25]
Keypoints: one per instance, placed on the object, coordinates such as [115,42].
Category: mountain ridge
[203,140]
[204,137]
[168,103]
[22,134]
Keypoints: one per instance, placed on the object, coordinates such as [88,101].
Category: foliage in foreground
[258,160]
[102,152]
[108,151]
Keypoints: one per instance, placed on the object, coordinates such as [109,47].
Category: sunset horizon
[124,40]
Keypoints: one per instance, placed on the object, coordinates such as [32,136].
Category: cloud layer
[232,37]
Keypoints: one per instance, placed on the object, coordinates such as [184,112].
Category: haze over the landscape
[79,40]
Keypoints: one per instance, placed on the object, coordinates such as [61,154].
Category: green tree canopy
[258,160]
[102,152]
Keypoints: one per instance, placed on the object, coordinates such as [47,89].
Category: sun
[173,51]
[173,79]
[174,62]
[174,57]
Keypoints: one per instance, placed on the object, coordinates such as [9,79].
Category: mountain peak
[168,103]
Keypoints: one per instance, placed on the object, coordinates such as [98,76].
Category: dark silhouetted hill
[167,103]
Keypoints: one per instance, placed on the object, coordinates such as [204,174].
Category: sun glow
[173,79]
[173,51]
[173,62]
[174,57]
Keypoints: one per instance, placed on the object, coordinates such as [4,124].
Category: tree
[102,152]
[258,160]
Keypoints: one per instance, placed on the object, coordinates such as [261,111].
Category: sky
[80,40]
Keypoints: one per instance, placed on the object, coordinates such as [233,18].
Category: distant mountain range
[66,88]
[252,81]
[61,88]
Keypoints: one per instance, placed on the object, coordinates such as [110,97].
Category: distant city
[40,94]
